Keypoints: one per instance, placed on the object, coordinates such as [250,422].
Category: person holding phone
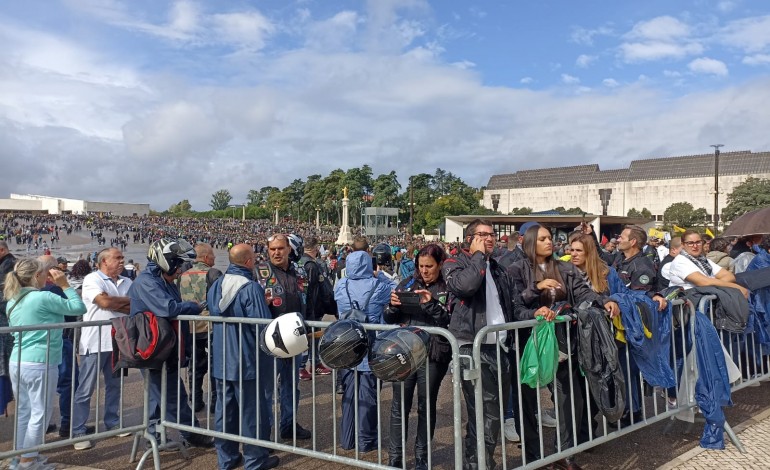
[429,308]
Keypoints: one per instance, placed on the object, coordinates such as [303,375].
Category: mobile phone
[374,263]
[408,298]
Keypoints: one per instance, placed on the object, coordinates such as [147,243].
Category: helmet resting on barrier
[170,254]
[343,345]
[397,354]
[286,336]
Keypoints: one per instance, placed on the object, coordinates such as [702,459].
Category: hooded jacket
[236,295]
[722,259]
[360,281]
[151,293]
[465,277]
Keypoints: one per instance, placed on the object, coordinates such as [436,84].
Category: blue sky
[157,101]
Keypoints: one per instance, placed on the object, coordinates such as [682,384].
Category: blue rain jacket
[652,355]
[712,390]
[361,281]
[235,345]
[759,303]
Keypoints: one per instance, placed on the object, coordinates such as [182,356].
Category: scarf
[701,262]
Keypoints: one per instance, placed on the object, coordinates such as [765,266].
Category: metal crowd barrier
[125,406]
[324,405]
[651,410]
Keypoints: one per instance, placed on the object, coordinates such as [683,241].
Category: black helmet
[382,254]
[397,354]
[169,254]
[343,345]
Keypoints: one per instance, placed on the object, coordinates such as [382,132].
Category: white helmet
[286,336]
[169,254]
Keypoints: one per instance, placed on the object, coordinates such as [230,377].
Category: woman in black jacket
[541,282]
[432,311]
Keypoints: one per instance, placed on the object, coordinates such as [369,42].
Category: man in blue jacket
[154,290]
[362,283]
[239,366]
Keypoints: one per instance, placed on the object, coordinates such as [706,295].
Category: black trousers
[427,380]
[489,368]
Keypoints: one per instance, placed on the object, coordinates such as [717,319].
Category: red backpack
[144,341]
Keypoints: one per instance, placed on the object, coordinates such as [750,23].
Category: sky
[157,101]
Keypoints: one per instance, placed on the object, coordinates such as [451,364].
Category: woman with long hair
[541,283]
[36,354]
[429,284]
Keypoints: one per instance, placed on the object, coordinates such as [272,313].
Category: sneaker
[41,463]
[14,463]
[509,429]
[82,445]
[340,390]
[547,419]
[302,433]
[51,428]
[271,462]
[305,375]
[65,431]
[198,440]
[117,426]
[321,370]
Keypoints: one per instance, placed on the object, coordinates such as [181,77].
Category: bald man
[247,367]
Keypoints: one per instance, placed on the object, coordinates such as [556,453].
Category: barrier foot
[734,438]
[154,450]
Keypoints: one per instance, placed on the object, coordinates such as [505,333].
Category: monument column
[345,236]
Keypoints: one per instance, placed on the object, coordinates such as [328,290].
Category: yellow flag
[708,232]
[679,229]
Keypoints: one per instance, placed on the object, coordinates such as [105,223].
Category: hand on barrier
[661,302]
[545,313]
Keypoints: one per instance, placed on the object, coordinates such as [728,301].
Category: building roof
[691,166]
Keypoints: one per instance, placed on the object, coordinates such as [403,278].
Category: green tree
[182,207]
[752,194]
[521,211]
[634,213]
[646,213]
[684,215]
[220,200]
[259,198]
[386,189]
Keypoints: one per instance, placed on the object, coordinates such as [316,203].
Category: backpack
[406,268]
[144,341]
[357,312]
[325,287]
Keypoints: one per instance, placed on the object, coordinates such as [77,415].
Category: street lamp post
[276,213]
[318,218]
[716,186]
[411,207]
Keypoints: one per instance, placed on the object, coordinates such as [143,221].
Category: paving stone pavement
[754,434]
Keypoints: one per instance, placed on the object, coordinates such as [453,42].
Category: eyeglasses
[694,243]
[485,234]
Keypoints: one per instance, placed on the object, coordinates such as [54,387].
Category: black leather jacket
[465,276]
[434,313]
[527,296]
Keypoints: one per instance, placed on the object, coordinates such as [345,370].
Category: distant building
[55,205]
[654,184]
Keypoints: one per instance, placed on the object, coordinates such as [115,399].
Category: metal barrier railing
[324,404]
[466,361]
[96,408]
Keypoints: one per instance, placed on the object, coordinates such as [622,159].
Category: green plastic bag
[540,357]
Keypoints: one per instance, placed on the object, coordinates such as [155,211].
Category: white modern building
[37,204]
[654,184]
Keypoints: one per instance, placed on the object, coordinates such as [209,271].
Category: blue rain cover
[712,390]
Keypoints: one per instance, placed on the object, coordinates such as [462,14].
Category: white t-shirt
[682,267]
[93,285]
[494,313]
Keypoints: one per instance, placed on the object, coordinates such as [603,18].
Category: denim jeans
[34,387]
[90,367]
[287,372]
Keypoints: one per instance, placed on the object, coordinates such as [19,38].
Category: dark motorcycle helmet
[397,354]
[343,345]
[297,247]
[169,254]
[382,254]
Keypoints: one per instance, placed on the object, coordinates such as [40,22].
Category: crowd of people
[293,267]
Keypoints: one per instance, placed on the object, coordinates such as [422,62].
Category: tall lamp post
[411,207]
[716,186]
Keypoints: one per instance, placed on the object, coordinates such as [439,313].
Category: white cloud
[610,83]
[585,37]
[664,37]
[709,66]
[249,30]
[526,80]
[726,6]
[672,74]
[584,60]
[464,64]
[749,34]
[662,28]
[569,79]
[651,51]
[757,59]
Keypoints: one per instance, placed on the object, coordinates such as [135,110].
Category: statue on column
[345,236]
